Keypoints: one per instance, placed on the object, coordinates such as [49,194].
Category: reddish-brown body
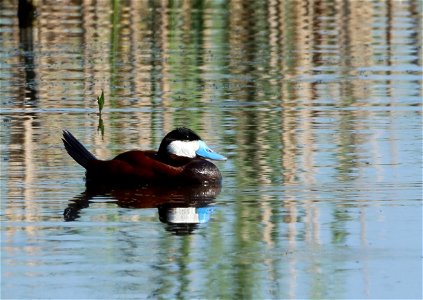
[144,167]
[136,167]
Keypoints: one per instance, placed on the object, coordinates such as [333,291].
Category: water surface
[317,106]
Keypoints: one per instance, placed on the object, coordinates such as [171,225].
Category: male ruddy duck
[180,160]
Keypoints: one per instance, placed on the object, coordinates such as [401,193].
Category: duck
[181,159]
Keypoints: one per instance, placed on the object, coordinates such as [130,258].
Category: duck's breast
[202,171]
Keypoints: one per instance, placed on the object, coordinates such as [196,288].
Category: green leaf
[100,126]
[100,101]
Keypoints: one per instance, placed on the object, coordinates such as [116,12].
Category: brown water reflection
[181,208]
[316,103]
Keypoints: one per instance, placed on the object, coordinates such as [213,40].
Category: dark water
[316,104]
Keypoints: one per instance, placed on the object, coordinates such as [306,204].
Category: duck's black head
[184,142]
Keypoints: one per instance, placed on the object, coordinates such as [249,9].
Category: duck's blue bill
[206,152]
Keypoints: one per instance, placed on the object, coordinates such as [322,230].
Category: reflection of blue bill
[204,214]
[193,215]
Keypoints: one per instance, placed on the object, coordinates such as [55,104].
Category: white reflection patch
[183,215]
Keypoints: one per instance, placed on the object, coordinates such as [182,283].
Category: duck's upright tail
[76,150]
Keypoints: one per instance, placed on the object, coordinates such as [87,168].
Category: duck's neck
[173,160]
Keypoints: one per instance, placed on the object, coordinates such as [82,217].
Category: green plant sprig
[100,102]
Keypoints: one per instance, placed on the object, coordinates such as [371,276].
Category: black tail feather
[76,150]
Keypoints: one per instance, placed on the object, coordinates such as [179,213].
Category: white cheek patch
[183,148]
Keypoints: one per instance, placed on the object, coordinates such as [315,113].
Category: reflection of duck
[179,161]
[181,208]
